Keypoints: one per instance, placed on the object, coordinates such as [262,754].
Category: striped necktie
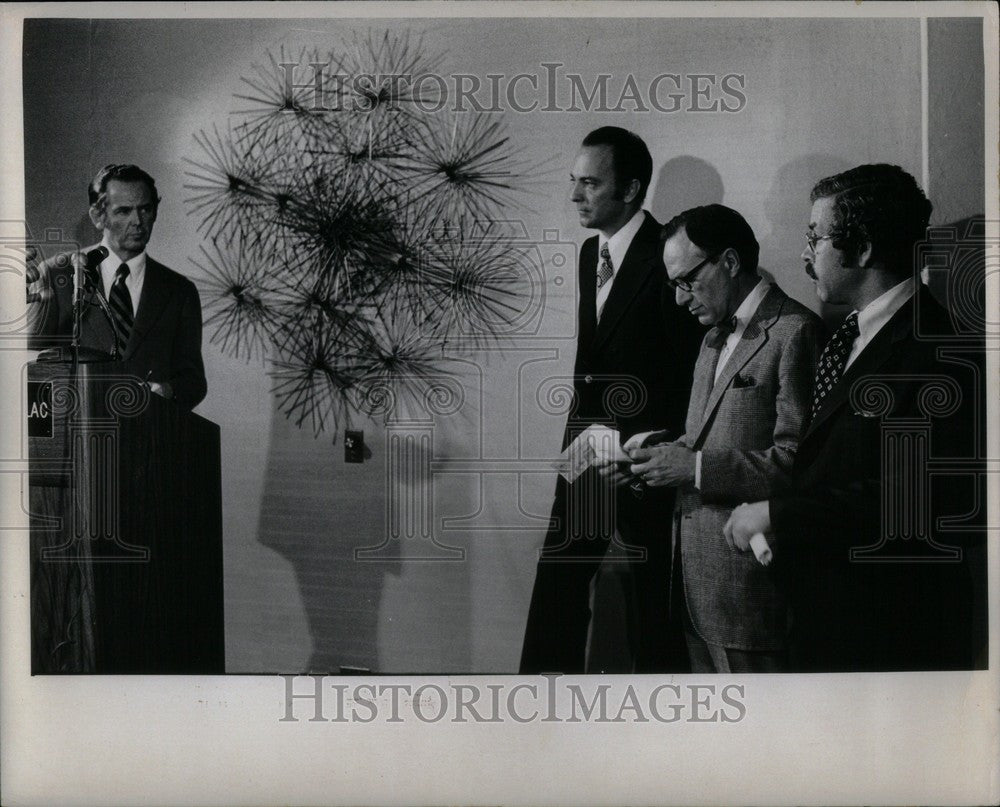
[121,308]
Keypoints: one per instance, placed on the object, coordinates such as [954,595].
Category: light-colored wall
[821,96]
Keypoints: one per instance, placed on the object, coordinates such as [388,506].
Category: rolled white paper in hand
[761,551]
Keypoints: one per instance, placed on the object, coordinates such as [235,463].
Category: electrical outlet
[354,446]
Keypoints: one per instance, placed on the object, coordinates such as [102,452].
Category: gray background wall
[822,95]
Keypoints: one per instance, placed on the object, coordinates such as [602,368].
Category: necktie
[720,333]
[831,363]
[605,270]
[121,308]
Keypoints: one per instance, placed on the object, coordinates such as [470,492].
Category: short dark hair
[630,157]
[123,173]
[881,205]
[714,229]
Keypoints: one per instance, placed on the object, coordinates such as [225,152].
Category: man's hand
[668,464]
[35,292]
[163,389]
[616,473]
[635,441]
[745,522]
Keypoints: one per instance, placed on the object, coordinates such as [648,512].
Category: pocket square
[741,381]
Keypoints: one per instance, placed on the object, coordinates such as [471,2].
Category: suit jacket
[633,367]
[747,426]
[165,343]
[905,605]
[633,372]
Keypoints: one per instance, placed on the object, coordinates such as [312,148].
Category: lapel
[638,265]
[588,290]
[870,360]
[152,303]
[754,337]
[701,387]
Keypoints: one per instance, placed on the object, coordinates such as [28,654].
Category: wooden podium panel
[126,527]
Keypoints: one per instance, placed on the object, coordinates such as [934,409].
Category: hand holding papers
[761,549]
[595,446]
[747,527]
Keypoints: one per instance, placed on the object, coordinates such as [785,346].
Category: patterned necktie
[121,307]
[605,270]
[831,363]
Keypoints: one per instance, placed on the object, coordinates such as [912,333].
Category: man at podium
[132,308]
[124,485]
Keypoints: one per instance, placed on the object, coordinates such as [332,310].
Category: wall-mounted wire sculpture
[351,238]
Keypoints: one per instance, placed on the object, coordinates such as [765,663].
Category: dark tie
[720,333]
[121,308]
[831,363]
[605,270]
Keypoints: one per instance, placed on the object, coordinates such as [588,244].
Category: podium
[126,526]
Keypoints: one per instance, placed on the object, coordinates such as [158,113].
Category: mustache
[809,270]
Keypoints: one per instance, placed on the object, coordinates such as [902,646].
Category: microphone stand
[85,280]
[106,310]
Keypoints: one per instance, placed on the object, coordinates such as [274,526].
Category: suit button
[588,379]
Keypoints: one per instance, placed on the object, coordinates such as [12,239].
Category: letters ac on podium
[126,525]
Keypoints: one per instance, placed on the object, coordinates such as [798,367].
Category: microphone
[86,281]
[85,271]
[90,274]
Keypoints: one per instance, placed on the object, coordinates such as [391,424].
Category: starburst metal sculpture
[350,245]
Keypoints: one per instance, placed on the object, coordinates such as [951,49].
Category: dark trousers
[586,514]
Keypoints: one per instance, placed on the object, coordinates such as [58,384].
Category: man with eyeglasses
[748,405]
[874,582]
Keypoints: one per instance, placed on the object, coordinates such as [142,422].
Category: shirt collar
[136,265]
[619,243]
[751,303]
[873,317]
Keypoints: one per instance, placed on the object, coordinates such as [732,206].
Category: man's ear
[732,261]
[632,191]
[865,254]
[96,216]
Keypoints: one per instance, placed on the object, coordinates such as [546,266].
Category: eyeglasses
[812,239]
[685,281]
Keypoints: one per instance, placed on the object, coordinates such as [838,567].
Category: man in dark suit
[635,353]
[136,310]
[752,385]
[875,582]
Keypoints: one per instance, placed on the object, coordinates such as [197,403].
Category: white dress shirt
[744,313]
[618,246]
[743,316]
[136,273]
[874,316]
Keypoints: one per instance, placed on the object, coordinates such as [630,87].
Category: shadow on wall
[84,233]
[786,209]
[685,182]
[955,257]
[371,604]
[312,515]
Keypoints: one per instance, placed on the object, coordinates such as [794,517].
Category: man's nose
[681,296]
[576,194]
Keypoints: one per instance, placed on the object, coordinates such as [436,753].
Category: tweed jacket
[747,426]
